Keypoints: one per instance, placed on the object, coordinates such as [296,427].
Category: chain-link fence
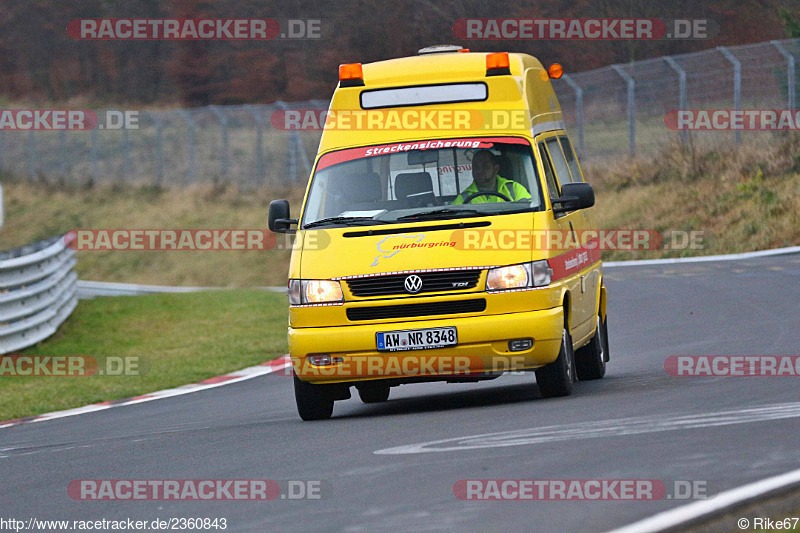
[214,144]
[620,109]
[611,112]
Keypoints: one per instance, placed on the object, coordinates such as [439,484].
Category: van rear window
[449,93]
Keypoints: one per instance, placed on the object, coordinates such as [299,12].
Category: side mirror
[279,220]
[574,196]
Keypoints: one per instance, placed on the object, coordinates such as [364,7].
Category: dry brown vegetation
[742,197]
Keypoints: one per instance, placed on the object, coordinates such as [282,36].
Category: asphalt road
[637,423]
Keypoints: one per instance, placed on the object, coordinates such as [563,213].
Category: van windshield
[423,180]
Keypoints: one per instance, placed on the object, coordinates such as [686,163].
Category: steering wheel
[474,195]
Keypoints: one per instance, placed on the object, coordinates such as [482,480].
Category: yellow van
[445,234]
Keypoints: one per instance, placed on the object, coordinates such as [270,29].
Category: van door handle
[574,237]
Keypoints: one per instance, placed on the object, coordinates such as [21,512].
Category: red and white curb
[280,365]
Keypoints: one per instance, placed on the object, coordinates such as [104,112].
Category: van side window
[572,161]
[559,162]
[552,187]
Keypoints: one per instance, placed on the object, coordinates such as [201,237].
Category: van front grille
[447,280]
[412,310]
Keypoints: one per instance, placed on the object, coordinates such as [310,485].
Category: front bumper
[482,348]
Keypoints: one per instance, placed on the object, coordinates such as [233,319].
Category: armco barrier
[37,292]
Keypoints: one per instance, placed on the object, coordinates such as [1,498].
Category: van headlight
[314,291]
[535,274]
[507,277]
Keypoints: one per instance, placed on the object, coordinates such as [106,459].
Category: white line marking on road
[717,504]
[601,428]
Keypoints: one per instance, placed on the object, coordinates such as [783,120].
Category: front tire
[590,360]
[557,378]
[312,401]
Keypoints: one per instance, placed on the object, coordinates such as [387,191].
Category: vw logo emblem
[413,283]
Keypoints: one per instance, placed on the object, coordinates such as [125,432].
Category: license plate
[416,339]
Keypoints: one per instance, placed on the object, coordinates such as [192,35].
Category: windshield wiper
[347,221]
[441,213]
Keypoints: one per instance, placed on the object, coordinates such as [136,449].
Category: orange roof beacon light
[351,75]
[555,71]
[498,64]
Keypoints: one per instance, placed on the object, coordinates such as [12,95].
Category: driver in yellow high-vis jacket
[485,178]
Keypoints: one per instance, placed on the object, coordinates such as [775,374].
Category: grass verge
[178,338]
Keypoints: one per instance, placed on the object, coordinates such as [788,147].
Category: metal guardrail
[37,292]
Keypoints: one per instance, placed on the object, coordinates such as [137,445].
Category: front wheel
[312,401]
[557,378]
[590,360]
